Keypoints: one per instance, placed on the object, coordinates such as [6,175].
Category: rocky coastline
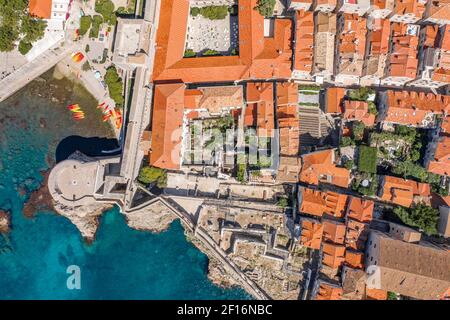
[5,221]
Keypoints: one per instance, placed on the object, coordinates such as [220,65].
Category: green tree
[349,164]
[148,175]
[106,9]
[95,28]
[283,202]
[86,66]
[360,94]
[420,216]
[372,108]
[241,173]
[33,28]
[24,47]
[115,85]
[265,7]
[347,141]
[358,130]
[16,24]
[85,24]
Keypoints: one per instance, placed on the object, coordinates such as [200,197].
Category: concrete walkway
[33,69]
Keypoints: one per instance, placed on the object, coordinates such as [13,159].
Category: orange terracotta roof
[401,191]
[441,75]
[439,10]
[333,255]
[214,99]
[353,36]
[403,59]
[304,41]
[40,8]
[354,259]
[412,108]
[333,231]
[445,34]
[376,294]
[328,292]
[311,233]
[416,7]
[379,40]
[358,110]
[356,235]
[319,167]
[441,159]
[445,126]
[318,203]
[419,100]
[289,132]
[166,125]
[431,32]
[260,95]
[287,93]
[360,210]
[259,57]
[334,99]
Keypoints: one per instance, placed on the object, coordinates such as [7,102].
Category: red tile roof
[259,57]
[403,59]
[167,125]
[356,235]
[304,41]
[441,159]
[416,7]
[334,99]
[319,167]
[318,203]
[354,259]
[358,110]
[360,210]
[402,192]
[40,8]
[412,108]
[328,292]
[311,233]
[379,40]
[260,97]
[333,231]
[333,255]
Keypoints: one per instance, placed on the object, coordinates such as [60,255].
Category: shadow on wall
[93,147]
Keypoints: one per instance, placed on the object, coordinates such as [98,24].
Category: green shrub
[95,28]
[195,11]
[241,173]
[85,24]
[420,216]
[372,108]
[149,175]
[210,52]
[211,12]
[188,53]
[360,94]
[347,141]
[24,47]
[367,161]
[265,7]
[115,86]
[283,202]
[86,66]
[358,130]
[106,9]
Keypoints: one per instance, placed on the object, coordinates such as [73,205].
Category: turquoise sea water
[122,263]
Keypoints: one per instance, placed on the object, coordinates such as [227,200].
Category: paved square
[219,35]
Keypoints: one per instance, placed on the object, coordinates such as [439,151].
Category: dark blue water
[122,263]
